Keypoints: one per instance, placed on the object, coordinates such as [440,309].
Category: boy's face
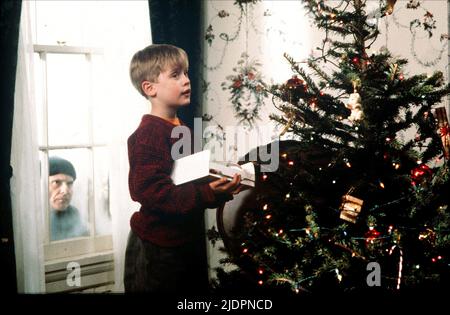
[173,87]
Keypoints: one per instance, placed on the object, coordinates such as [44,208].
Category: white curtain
[25,183]
[121,208]
[126,107]
[126,110]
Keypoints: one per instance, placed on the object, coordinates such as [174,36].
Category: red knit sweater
[169,215]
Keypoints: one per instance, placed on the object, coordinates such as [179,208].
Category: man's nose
[64,188]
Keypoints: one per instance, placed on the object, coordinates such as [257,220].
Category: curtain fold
[179,23]
[27,207]
[9,26]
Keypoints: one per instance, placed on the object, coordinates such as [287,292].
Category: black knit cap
[57,165]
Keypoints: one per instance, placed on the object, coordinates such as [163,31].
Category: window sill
[96,273]
[77,247]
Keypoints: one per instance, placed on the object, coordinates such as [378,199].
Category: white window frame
[69,248]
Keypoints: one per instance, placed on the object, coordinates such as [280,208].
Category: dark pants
[156,269]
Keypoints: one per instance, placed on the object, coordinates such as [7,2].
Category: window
[71,115]
[82,51]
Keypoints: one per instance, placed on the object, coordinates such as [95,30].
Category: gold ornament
[428,236]
[288,123]
[394,69]
[390,7]
[444,133]
[350,208]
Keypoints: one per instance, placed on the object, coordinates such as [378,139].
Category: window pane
[58,22]
[68,105]
[101,106]
[69,190]
[101,188]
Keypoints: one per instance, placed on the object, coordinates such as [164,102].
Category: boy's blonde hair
[148,63]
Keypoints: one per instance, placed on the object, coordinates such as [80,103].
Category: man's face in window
[60,191]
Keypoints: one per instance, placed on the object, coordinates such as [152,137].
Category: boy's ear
[149,88]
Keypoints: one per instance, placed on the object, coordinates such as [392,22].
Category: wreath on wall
[247,89]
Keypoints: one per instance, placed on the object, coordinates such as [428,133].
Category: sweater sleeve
[150,183]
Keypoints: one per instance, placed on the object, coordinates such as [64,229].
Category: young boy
[165,246]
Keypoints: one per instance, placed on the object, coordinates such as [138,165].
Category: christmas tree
[356,202]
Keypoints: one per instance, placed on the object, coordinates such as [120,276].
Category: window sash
[77,247]
[83,245]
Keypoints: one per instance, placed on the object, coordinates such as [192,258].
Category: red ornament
[371,235]
[294,82]
[401,77]
[420,173]
[355,60]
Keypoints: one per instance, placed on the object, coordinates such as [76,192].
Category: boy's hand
[224,186]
